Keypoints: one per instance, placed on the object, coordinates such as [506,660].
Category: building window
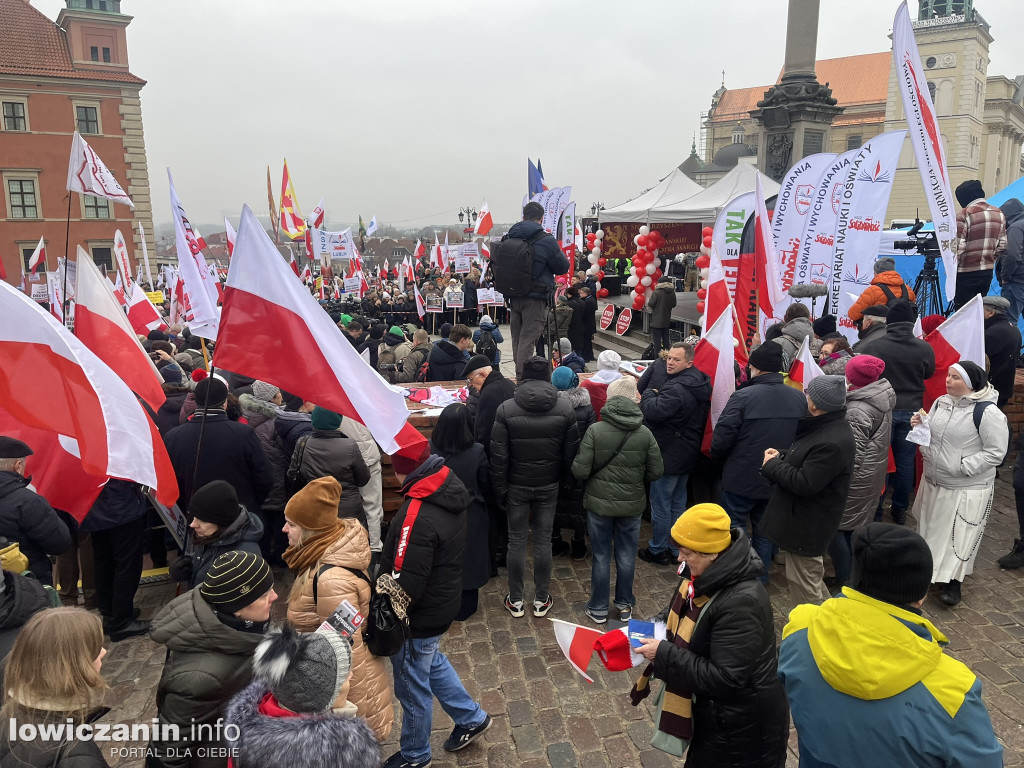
[94,53]
[14,116]
[21,196]
[96,207]
[88,119]
[103,257]
[853,142]
[26,257]
[106,55]
[931,90]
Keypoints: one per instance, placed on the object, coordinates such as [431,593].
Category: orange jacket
[874,295]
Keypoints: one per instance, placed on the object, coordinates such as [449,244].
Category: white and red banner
[577,643]
[124,267]
[772,301]
[714,355]
[727,242]
[817,249]
[862,204]
[554,201]
[38,257]
[230,235]
[961,337]
[88,175]
[421,308]
[200,287]
[793,204]
[926,138]
[718,299]
[484,222]
[263,305]
[805,368]
[567,232]
[78,415]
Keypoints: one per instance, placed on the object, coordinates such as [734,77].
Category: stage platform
[685,310]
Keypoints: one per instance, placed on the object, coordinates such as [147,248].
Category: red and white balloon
[595,242]
[646,268]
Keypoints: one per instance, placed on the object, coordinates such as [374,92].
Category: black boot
[559,546]
[1016,557]
[134,628]
[951,594]
[899,516]
[578,548]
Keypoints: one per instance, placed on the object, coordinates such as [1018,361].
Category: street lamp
[596,208]
[469,216]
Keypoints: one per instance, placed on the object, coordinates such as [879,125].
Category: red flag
[263,308]
[714,356]
[38,257]
[143,315]
[419,251]
[484,223]
[961,337]
[805,368]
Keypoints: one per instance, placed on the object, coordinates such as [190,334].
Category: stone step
[633,340]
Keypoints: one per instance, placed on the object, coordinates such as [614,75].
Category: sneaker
[595,617]
[1016,557]
[516,608]
[625,613]
[661,558]
[540,609]
[463,737]
[578,549]
[397,761]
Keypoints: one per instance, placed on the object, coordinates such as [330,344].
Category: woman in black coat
[452,439]
[730,662]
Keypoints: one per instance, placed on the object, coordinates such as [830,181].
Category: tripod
[927,289]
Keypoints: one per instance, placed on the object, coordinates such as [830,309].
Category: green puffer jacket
[618,489]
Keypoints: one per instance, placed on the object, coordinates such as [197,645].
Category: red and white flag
[714,355]
[102,327]
[445,261]
[435,253]
[718,299]
[421,308]
[38,257]
[805,368]
[77,414]
[316,218]
[263,302]
[961,337]
[294,266]
[88,175]
[485,222]
[771,300]
[577,643]
[56,305]
[230,235]
[419,251]
[142,315]
[200,286]
[306,275]
[124,267]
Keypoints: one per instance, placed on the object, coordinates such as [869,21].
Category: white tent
[703,207]
[669,193]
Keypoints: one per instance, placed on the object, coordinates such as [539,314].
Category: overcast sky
[412,108]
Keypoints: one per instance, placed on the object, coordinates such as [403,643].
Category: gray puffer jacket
[869,413]
[961,455]
[261,417]
[793,334]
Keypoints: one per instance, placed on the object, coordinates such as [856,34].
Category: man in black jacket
[872,326]
[676,413]
[762,413]
[1010,265]
[528,313]
[908,362]
[230,451]
[589,322]
[25,516]
[423,555]
[493,388]
[533,443]
[811,479]
[449,356]
[1002,346]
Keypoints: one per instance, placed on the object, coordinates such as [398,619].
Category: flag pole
[67,245]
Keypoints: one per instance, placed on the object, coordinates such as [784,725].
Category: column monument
[796,115]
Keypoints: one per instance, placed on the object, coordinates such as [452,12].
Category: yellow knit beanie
[703,528]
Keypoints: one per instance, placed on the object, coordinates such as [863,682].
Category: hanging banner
[123,266]
[567,226]
[926,138]
[727,241]
[862,205]
[554,202]
[145,252]
[679,238]
[792,206]
[817,251]
[336,245]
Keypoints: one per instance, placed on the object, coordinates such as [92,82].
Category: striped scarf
[677,705]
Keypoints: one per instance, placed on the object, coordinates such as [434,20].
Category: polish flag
[772,300]
[306,275]
[119,293]
[262,306]
[142,315]
[421,308]
[577,643]
[56,306]
[805,368]
[410,272]
[79,416]
[435,253]
[102,327]
[294,265]
[231,235]
[419,251]
[316,218]
[718,297]
[445,262]
[485,222]
[387,269]
[714,355]
[38,257]
[961,337]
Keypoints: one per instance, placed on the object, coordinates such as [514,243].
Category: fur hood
[310,741]
[250,404]
[577,397]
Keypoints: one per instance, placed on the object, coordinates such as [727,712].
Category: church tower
[96,34]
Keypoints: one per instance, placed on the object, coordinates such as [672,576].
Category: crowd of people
[789,472]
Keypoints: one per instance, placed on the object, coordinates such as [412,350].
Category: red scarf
[268,706]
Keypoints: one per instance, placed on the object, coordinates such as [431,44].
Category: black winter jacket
[261,417]
[654,377]
[762,413]
[661,304]
[676,414]
[27,518]
[120,502]
[495,391]
[431,571]
[243,535]
[589,316]
[169,415]
[866,336]
[329,452]
[48,754]
[470,466]
[447,361]
[575,332]
[291,426]
[231,452]
[908,362]
[534,440]
[1002,348]
[548,258]
[20,598]
[1010,264]
[740,714]
[811,481]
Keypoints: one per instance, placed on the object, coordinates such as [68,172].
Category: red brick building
[54,78]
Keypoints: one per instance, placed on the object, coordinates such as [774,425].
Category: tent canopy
[702,207]
[1016,189]
[670,192]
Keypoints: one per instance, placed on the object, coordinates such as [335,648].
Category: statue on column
[780,150]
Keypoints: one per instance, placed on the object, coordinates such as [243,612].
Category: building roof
[32,45]
[854,80]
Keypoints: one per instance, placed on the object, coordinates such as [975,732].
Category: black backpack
[891,298]
[423,374]
[512,266]
[979,412]
[486,345]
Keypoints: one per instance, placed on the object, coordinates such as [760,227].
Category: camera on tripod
[925,243]
[926,287]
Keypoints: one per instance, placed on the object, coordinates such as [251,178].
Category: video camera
[925,243]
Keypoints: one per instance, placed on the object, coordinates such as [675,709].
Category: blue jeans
[903,452]
[624,533]
[668,502]
[541,504]
[1014,293]
[742,509]
[421,673]
[841,552]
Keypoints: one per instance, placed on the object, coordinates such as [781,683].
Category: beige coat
[368,686]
